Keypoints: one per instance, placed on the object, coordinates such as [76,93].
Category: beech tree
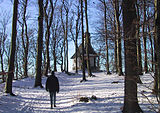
[155,86]
[106,33]
[129,19]
[8,85]
[4,21]
[139,56]
[87,36]
[145,38]
[157,45]
[65,26]
[77,30]
[82,28]
[24,36]
[38,79]
[48,12]
[56,29]
[118,38]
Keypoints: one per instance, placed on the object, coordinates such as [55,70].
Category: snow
[109,90]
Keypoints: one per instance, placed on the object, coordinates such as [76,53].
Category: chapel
[92,56]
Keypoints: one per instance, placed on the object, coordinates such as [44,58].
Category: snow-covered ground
[109,90]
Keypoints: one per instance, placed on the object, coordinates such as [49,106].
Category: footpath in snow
[109,90]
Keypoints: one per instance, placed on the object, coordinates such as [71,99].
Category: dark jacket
[52,84]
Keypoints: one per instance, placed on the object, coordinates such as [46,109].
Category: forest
[40,36]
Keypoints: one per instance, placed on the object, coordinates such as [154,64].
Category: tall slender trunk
[46,39]
[77,32]
[76,49]
[64,54]
[48,20]
[62,69]
[157,49]
[151,43]
[144,39]
[54,52]
[115,48]
[87,41]
[106,37]
[47,53]
[119,56]
[83,62]
[25,44]
[2,69]
[38,79]
[65,43]
[8,85]
[155,86]
[66,37]
[16,64]
[139,56]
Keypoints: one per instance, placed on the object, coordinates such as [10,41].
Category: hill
[105,94]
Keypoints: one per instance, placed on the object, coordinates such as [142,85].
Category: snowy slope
[109,95]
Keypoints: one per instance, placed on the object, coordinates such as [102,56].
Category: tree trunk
[115,48]
[83,62]
[8,85]
[119,56]
[129,18]
[155,86]
[66,37]
[38,78]
[77,32]
[144,40]
[2,69]
[87,41]
[16,64]
[138,42]
[25,44]
[48,20]
[106,37]
[151,43]
[157,49]
[139,56]
[76,49]
[62,69]
[65,30]
[54,52]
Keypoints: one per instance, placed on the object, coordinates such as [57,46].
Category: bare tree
[3,38]
[24,36]
[56,42]
[145,38]
[77,30]
[118,37]
[38,79]
[151,43]
[87,36]
[157,45]
[82,28]
[66,6]
[129,18]
[106,34]
[139,56]
[48,20]
[115,47]
[155,86]
[8,86]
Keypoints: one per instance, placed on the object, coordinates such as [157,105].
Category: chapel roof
[79,53]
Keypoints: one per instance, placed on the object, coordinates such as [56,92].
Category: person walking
[52,85]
